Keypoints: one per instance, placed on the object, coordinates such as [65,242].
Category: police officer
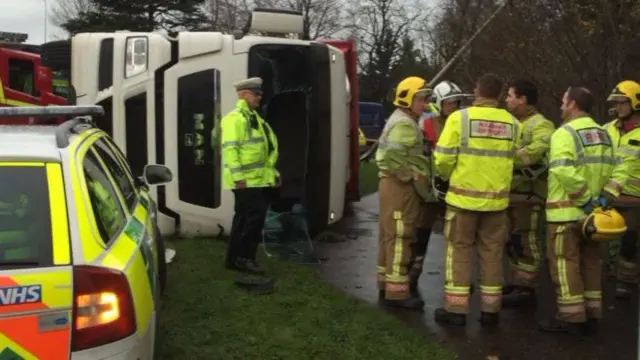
[402,163]
[580,162]
[250,153]
[529,179]
[625,136]
[446,98]
[475,153]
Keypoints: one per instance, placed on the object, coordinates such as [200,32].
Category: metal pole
[46,19]
[464,47]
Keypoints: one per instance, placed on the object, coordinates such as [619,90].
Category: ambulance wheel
[56,55]
[162,262]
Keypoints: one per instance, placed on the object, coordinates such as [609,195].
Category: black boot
[489,319]
[518,297]
[250,266]
[554,325]
[625,289]
[413,287]
[443,316]
[411,303]
[380,295]
[507,289]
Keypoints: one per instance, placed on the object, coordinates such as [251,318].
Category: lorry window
[118,173]
[107,210]
[105,66]
[136,135]
[22,76]
[25,218]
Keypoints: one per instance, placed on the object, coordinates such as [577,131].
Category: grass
[368,178]
[204,316]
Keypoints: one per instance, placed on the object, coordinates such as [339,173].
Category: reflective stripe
[258,165]
[581,158]
[240,143]
[559,204]
[628,151]
[59,220]
[446,150]
[479,194]
[583,161]
[464,140]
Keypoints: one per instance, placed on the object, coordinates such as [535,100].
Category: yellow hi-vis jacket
[400,151]
[476,153]
[626,174]
[581,160]
[534,142]
[249,149]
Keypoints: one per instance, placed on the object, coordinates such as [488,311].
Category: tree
[139,15]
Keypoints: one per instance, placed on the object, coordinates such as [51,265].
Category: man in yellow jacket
[580,162]
[625,136]
[402,163]
[250,153]
[475,153]
[529,180]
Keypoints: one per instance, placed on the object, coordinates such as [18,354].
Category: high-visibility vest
[581,159]
[476,153]
[625,178]
[249,149]
[534,147]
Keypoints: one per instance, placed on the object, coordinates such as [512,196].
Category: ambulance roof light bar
[12,37]
[52,111]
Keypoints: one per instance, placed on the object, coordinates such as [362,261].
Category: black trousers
[251,205]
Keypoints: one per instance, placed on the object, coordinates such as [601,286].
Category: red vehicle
[24,81]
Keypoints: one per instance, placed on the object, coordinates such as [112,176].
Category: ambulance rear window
[25,218]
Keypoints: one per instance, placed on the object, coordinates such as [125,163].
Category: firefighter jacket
[475,153]
[581,160]
[249,149]
[531,159]
[626,174]
[400,151]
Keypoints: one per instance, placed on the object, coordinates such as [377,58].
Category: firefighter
[581,160]
[529,179]
[446,98]
[250,153]
[475,154]
[402,163]
[625,136]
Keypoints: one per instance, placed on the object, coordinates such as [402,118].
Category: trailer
[164,97]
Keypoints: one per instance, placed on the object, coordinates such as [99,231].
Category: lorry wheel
[56,55]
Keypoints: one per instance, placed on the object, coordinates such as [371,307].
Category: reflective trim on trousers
[396,265]
[565,297]
[479,194]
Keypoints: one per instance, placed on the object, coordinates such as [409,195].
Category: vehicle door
[140,226]
[36,288]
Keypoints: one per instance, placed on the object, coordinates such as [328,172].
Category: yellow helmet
[627,90]
[408,89]
[603,224]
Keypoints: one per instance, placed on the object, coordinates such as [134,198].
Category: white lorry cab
[163,97]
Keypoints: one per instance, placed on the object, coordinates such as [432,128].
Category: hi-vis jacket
[534,142]
[581,160]
[249,149]
[476,153]
[399,151]
[626,174]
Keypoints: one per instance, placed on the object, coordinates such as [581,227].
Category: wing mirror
[154,174]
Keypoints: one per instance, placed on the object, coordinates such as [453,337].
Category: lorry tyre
[56,55]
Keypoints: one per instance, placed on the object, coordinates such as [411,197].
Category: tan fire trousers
[628,269]
[399,212]
[487,233]
[525,244]
[576,269]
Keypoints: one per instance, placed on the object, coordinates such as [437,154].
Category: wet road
[351,267]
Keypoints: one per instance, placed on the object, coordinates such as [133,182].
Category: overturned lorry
[163,96]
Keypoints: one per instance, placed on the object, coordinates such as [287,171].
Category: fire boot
[489,319]
[412,303]
[518,297]
[624,289]
[554,325]
[443,316]
[413,287]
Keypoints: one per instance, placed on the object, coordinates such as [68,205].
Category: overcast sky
[27,16]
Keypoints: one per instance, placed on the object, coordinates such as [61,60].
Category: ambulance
[164,96]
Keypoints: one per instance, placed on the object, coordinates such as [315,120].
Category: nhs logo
[20,295]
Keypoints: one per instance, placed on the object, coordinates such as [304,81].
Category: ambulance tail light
[103,310]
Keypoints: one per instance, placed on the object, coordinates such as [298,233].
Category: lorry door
[348,47]
[18,72]
[36,280]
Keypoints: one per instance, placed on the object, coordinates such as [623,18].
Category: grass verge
[368,178]
[204,316]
